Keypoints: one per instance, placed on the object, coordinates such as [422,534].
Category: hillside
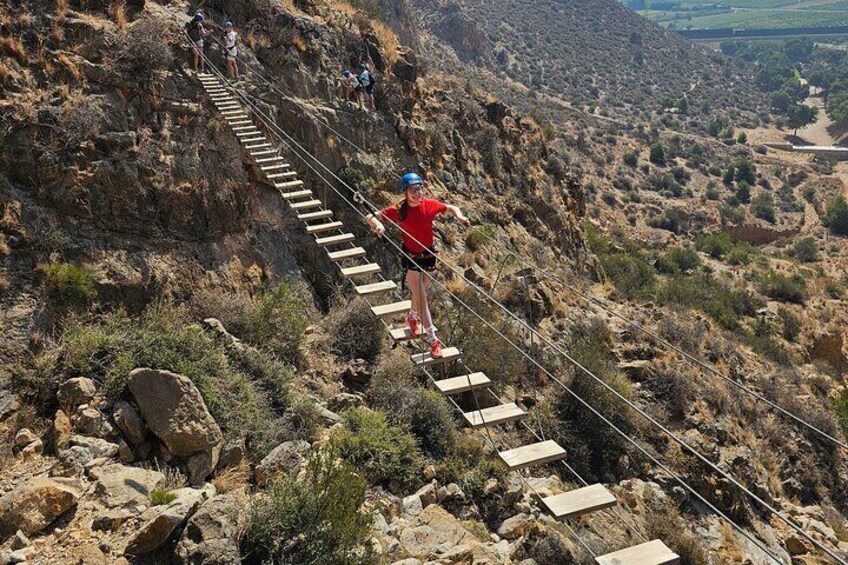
[592,53]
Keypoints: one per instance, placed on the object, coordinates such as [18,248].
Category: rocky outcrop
[75,392]
[33,506]
[129,422]
[160,522]
[434,531]
[284,458]
[211,535]
[175,412]
[122,486]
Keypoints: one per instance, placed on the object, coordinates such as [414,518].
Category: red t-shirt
[418,222]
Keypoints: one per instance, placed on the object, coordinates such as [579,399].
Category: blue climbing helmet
[410,179]
[346,73]
[198,17]
[228,24]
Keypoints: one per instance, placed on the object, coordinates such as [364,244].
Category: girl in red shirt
[415,215]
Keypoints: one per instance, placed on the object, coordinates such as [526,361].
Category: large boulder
[211,535]
[31,507]
[74,392]
[129,422]
[435,531]
[175,412]
[284,458]
[122,486]
[160,522]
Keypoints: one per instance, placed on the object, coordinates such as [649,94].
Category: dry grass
[257,40]
[343,7]
[300,43]
[57,33]
[388,40]
[14,47]
[118,11]
[71,66]
[61,9]
[232,478]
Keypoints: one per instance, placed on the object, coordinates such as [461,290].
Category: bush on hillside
[387,455]
[657,154]
[355,332]
[68,283]
[836,217]
[278,320]
[142,51]
[703,292]
[784,288]
[840,408]
[790,324]
[678,260]
[762,206]
[632,275]
[806,250]
[317,518]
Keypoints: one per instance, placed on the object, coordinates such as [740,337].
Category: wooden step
[404,334]
[500,414]
[533,454]
[335,240]
[222,98]
[288,184]
[653,552]
[239,123]
[237,112]
[297,194]
[227,105]
[319,215]
[425,359]
[463,383]
[393,309]
[320,228]
[246,131]
[352,253]
[286,175]
[253,139]
[275,167]
[306,204]
[579,501]
[367,269]
[269,159]
[372,288]
[263,152]
[256,146]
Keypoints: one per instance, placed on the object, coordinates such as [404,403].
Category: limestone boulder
[31,507]
[8,404]
[75,392]
[211,534]
[61,431]
[175,412]
[160,522]
[129,422]
[284,458]
[123,486]
[435,532]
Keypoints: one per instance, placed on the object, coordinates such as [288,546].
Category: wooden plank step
[319,215]
[335,240]
[263,152]
[533,454]
[462,383]
[273,167]
[297,194]
[286,175]
[324,227]
[393,309]
[425,359]
[239,123]
[269,159]
[653,552]
[352,253]
[255,146]
[500,414]
[288,184]
[236,112]
[233,105]
[306,204]
[253,139]
[246,131]
[222,98]
[404,334]
[579,501]
[365,289]
[367,269]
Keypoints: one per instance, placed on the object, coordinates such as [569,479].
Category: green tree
[657,155]
[800,115]
[836,217]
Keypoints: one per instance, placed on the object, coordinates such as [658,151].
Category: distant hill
[588,52]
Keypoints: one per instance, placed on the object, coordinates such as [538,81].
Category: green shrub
[66,282]
[273,376]
[385,453]
[669,220]
[712,192]
[657,155]
[762,206]
[833,288]
[766,346]
[279,320]
[160,497]
[840,408]
[740,254]
[743,192]
[632,275]
[470,465]
[781,287]
[355,332]
[711,296]
[678,260]
[163,337]
[716,244]
[479,236]
[665,525]
[836,217]
[790,324]
[806,250]
[631,159]
[318,518]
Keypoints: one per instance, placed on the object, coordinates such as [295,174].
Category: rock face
[129,422]
[436,531]
[32,507]
[119,485]
[160,522]
[284,458]
[211,535]
[175,412]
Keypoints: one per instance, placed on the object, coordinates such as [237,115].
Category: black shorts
[424,262]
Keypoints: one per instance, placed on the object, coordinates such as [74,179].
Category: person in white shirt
[231,46]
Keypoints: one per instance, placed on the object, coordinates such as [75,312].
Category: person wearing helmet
[231,47]
[347,85]
[366,86]
[196,32]
[414,215]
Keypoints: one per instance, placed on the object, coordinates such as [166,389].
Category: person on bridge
[196,33]
[231,46]
[414,215]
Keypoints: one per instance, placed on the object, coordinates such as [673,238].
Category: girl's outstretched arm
[375,224]
[457,213]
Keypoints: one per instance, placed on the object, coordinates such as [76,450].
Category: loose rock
[211,535]
[122,486]
[129,422]
[284,458]
[75,392]
[31,507]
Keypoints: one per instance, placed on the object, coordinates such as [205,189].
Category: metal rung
[533,454]
[463,383]
[367,269]
[500,414]
[393,309]
[324,227]
[286,175]
[297,194]
[269,159]
[579,501]
[289,184]
[319,215]
[273,167]
[263,152]
[425,359]
[337,239]
[306,204]
[352,253]
[653,552]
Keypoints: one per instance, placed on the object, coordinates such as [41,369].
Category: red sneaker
[414,323]
[436,348]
